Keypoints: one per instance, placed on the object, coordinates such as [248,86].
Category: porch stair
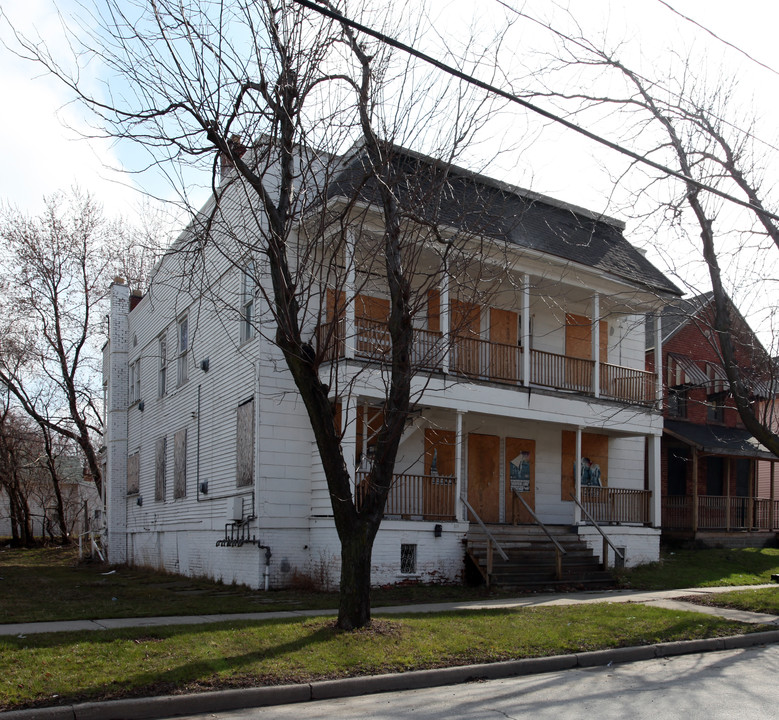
[531,558]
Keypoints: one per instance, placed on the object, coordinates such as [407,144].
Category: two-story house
[711,465]
[531,400]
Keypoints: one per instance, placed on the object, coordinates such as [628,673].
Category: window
[180,464]
[159,469]
[162,372]
[244,444]
[248,290]
[135,381]
[716,407]
[677,401]
[408,559]
[133,473]
[183,350]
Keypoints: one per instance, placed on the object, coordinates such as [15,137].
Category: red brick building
[719,484]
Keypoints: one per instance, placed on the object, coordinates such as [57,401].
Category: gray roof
[718,440]
[678,312]
[454,197]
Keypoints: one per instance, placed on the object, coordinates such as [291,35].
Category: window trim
[248,301]
[162,368]
[134,382]
[182,350]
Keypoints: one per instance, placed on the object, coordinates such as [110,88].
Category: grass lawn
[50,584]
[59,668]
[704,568]
[763,600]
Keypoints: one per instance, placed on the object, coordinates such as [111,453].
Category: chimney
[135,297]
[237,149]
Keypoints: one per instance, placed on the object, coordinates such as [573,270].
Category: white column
[659,360]
[460,512]
[115,480]
[526,329]
[445,321]
[349,293]
[653,456]
[349,439]
[577,463]
[596,345]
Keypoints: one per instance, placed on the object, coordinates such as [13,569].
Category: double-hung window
[162,372]
[183,350]
[248,293]
[135,381]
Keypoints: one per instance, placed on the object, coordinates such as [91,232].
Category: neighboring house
[80,499]
[719,484]
[210,452]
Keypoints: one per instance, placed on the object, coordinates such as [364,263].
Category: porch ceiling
[714,440]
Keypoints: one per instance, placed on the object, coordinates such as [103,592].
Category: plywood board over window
[441,445]
[180,464]
[244,444]
[133,473]
[595,447]
[520,479]
[160,452]
[578,337]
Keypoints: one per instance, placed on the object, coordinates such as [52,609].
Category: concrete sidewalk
[220,701]
[661,598]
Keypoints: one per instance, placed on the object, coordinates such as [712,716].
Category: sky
[44,148]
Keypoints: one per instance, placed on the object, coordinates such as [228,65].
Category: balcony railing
[716,512]
[416,497]
[499,362]
[617,505]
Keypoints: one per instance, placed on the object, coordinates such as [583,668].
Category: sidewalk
[224,700]
[661,598]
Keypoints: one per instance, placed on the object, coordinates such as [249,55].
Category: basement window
[408,559]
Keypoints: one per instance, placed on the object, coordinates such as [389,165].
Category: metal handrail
[617,553]
[540,524]
[559,549]
[484,527]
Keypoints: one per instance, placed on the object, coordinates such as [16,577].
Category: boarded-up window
[180,464]
[595,452]
[133,473]
[159,468]
[244,449]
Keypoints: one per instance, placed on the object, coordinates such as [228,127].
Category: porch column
[460,513]
[349,286]
[577,479]
[655,480]
[771,495]
[727,493]
[445,321]
[596,345]
[659,361]
[695,490]
[752,493]
[349,437]
[526,329]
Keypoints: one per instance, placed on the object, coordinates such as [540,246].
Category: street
[710,686]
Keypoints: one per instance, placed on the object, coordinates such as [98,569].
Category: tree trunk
[354,607]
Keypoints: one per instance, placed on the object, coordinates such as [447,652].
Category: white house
[530,356]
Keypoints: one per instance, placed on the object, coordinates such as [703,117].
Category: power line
[454,72]
[717,37]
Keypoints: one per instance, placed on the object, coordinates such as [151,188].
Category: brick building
[718,483]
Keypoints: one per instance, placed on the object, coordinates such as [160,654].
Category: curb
[222,700]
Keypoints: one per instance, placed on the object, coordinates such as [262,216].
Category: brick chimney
[237,149]
[135,297]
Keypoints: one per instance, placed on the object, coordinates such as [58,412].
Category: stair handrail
[491,537]
[606,540]
[559,549]
[540,523]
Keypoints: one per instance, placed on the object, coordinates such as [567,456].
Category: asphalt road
[730,684]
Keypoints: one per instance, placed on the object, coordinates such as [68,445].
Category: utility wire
[717,37]
[454,72]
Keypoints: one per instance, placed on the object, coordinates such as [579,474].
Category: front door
[484,476]
[520,479]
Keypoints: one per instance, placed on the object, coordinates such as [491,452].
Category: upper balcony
[476,358]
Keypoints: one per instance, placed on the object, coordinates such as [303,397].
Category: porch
[714,512]
[487,360]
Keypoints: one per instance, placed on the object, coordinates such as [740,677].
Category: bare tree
[714,186]
[270,96]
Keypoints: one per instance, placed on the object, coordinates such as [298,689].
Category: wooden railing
[481,359]
[617,505]
[415,497]
[627,384]
[718,512]
[618,554]
[561,371]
